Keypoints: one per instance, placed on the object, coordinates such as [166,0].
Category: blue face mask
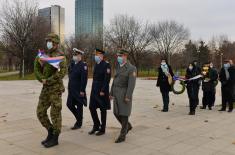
[97,59]
[49,45]
[120,60]
[226,65]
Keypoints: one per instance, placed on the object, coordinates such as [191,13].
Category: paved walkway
[154,133]
[9,73]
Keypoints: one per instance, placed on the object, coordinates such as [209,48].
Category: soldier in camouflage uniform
[52,90]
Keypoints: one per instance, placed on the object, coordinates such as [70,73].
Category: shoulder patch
[134,74]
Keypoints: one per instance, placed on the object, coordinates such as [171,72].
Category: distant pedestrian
[227,79]
[210,77]
[192,87]
[164,81]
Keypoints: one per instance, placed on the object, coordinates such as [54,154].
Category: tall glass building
[55,16]
[88,17]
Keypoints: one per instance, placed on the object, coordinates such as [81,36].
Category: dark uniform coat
[162,80]
[194,85]
[228,85]
[101,80]
[78,75]
[123,87]
[210,86]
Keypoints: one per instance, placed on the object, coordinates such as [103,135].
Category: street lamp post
[221,59]
[198,51]
[23,70]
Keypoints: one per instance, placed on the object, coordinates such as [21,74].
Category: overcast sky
[204,18]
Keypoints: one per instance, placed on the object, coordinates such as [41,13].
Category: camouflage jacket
[53,77]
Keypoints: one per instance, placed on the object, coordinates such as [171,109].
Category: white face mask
[76,58]
[190,67]
[49,45]
[163,63]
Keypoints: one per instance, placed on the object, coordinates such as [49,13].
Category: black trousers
[97,123]
[166,100]
[208,98]
[124,121]
[192,105]
[193,97]
[76,108]
[227,98]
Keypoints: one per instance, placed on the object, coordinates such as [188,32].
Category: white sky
[204,18]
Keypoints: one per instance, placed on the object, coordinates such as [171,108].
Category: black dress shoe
[164,110]
[222,110]
[100,133]
[230,110]
[76,126]
[202,107]
[120,140]
[210,108]
[93,131]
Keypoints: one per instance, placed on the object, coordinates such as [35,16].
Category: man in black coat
[100,93]
[210,77]
[165,75]
[78,75]
[226,76]
[193,87]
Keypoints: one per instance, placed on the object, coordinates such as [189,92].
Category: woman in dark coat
[164,73]
[192,87]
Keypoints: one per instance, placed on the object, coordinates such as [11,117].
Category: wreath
[178,87]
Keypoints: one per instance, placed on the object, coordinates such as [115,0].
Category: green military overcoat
[123,87]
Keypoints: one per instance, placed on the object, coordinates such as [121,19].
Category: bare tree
[17,21]
[169,38]
[129,33]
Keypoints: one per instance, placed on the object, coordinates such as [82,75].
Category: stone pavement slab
[154,133]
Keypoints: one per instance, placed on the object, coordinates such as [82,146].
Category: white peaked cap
[75,50]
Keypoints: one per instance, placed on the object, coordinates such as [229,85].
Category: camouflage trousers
[54,101]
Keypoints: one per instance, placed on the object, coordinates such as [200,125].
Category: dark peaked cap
[122,52]
[99,51]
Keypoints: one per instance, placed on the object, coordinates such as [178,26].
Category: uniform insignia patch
[108,71]
[134,74]
[85,67]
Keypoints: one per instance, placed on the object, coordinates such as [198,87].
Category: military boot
[49,136]
[129,127]
[52,142]
[120,139]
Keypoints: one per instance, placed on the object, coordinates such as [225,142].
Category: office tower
[55,16]
[88,17]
